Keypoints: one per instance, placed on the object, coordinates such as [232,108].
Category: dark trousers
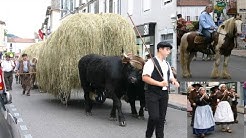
[234,110]
[8,79]
[26,82]
[193,115]
[157,108]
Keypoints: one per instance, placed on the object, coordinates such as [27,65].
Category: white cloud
[23,17]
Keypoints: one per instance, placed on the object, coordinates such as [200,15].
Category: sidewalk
[178,101]
[240,53]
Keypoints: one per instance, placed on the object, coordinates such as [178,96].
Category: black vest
[156,76]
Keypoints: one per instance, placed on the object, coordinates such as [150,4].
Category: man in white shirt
[7,67]
[157,77]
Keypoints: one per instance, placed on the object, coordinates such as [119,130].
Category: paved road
[237,130]
[201,70]
[244,125]
[43,116]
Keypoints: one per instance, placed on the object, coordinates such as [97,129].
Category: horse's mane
[228,26]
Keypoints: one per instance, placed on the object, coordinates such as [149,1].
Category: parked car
[8,123]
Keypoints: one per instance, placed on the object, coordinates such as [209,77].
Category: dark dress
[203,120]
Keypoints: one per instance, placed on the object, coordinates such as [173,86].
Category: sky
[23,17]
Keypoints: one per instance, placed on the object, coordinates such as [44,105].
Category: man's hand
[163,83]
[17,72]
[211,28]
[175,83]
[194,104]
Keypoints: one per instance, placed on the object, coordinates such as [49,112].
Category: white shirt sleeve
[2,64]
[12,63]
[171,72]
[148,68]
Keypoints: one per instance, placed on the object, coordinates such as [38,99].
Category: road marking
[19,120]
[28,136]
[14,109]
[23,127]
[17,114]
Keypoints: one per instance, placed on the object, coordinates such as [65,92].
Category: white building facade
[190,13]
[155,22]
[3,38]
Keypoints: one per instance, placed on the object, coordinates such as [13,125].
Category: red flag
[1,80]
[40,33]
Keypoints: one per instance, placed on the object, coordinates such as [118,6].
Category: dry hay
[78,35]
[33,50]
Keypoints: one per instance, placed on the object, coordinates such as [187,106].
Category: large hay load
[78,35]
[34,50]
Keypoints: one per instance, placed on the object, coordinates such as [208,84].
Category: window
[105,6]
[110,6]
[130,7]
[196,18]
[63,8]
[167,37]
[118,7]
[91,8]
[146,5]
[115,7]
[188,18]
[67,6]
[71,6]
[96,7]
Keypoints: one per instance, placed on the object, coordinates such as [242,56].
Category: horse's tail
[183,48]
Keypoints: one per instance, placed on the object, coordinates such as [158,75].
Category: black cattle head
[133,67]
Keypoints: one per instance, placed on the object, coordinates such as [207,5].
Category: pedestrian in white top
[7,67]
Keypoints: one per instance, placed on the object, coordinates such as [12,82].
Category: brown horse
[223,43]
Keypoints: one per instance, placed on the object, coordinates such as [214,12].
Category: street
[41,115]
[244,124]
[201,70]
[237,130]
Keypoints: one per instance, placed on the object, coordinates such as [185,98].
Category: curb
[177,106]
[243,56]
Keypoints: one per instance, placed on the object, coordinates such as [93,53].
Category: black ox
[112,74]
[136,92]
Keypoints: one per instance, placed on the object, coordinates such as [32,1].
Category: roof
[20,40]
[193,2]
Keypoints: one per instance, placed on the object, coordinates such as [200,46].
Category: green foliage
[11,54]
